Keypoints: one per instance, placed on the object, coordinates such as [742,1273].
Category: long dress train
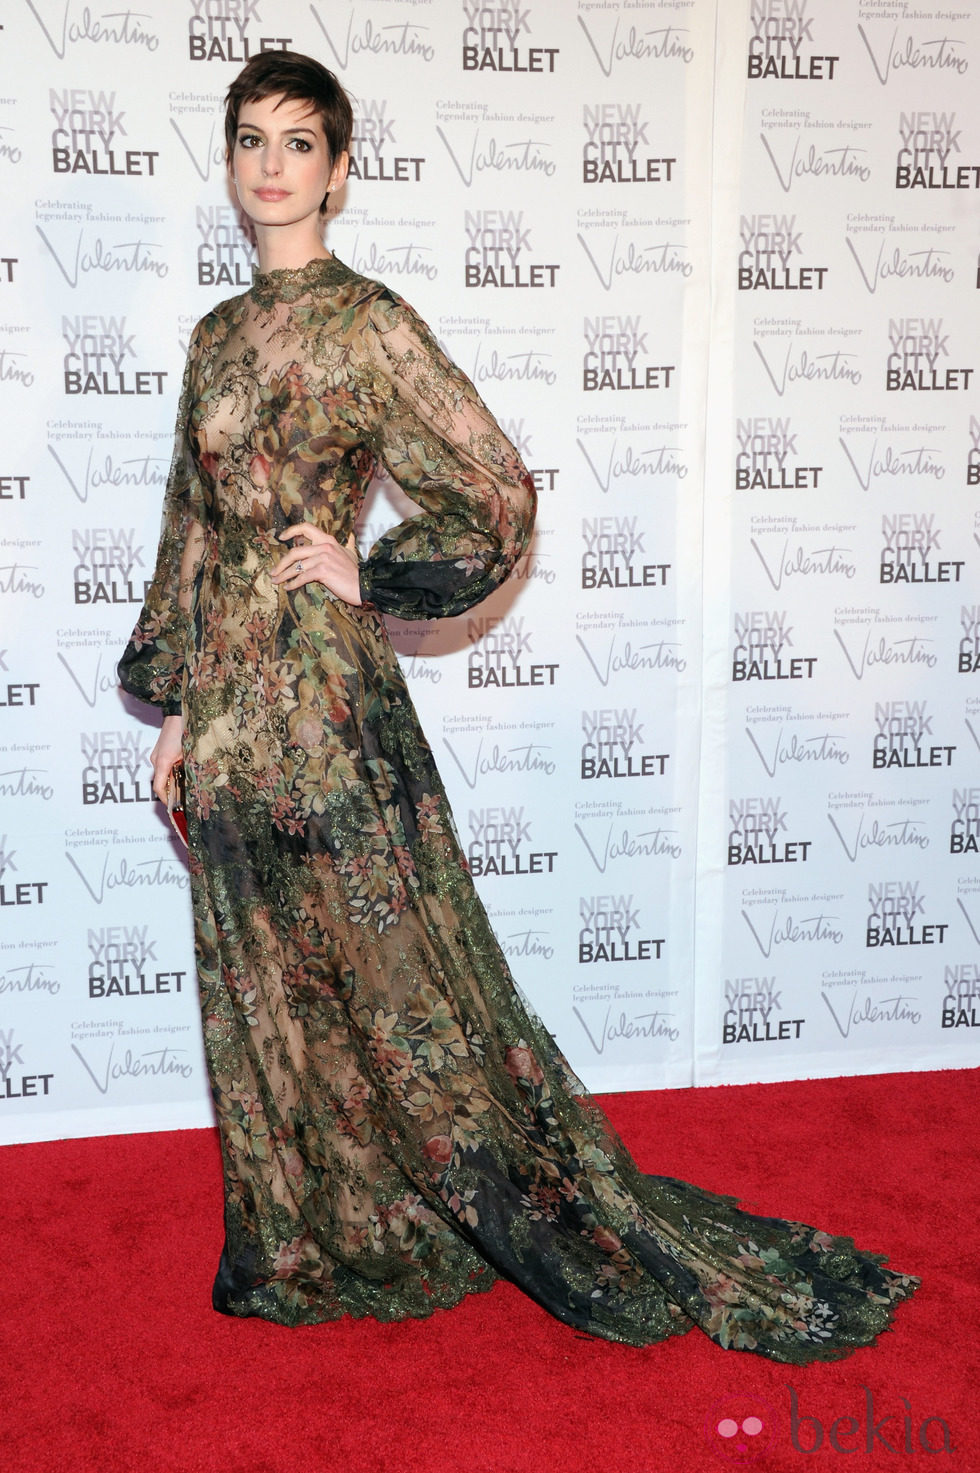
[398,1128]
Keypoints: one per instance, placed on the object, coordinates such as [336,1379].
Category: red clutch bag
[176,798]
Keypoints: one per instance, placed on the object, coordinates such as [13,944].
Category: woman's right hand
[168,750]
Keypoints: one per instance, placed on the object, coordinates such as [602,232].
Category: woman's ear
[339,171]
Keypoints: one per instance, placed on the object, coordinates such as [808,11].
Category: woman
[398,1129]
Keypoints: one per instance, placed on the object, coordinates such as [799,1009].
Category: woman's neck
[282,250]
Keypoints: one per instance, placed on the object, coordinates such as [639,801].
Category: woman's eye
[301,144]
[249,140]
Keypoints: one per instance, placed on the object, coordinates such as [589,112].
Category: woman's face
[280,165]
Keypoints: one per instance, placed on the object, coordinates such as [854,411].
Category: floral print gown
[398,1129]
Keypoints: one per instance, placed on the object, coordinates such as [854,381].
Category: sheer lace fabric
[398,1129]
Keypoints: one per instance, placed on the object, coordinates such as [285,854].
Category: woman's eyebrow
[254,128]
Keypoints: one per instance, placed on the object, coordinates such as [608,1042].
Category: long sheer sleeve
[152,666]
[439,442]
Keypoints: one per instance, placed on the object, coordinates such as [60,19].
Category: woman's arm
[441,444]
[152,665]
[166,752]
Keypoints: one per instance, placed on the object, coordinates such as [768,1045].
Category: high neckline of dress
[288,283]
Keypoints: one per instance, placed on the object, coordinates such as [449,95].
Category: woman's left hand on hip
[319,558]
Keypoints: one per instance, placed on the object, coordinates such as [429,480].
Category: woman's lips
[271,195]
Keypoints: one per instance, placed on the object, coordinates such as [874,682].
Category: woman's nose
[271,160]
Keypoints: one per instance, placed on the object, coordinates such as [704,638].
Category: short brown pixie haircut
[297,78]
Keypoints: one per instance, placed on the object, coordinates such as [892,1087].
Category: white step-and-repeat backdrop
[715,751]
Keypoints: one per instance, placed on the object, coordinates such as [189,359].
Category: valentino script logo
[633,260]
[363,38]
[905,53]
[631,461]
[622,44]
[845,162]
[110,28]
[491,154]
[96,256]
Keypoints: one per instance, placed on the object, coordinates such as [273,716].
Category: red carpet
[112,1359]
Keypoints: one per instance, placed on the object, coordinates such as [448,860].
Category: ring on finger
[299,567]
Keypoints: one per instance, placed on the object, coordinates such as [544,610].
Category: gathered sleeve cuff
[440,444]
